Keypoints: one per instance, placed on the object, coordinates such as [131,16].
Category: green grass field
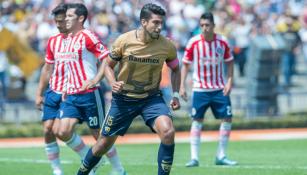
[255,158]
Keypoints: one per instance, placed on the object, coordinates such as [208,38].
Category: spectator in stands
[4,64]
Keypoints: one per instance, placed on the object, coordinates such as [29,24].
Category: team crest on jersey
[220,51]
[77,46]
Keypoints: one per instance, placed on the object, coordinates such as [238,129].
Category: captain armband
[172,64]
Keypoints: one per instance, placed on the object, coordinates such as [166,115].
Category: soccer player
[141,54]
[207,53]
[56,63]
[52,98]
[83,52]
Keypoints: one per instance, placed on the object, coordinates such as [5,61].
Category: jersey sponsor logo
[144,60]
[66,55]
[210,61]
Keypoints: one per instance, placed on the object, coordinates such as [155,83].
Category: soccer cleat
[225,161]
[57,172]
[192,163]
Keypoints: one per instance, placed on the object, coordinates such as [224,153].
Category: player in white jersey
[207,53]
[84,52]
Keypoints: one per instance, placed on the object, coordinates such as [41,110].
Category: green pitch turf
[255,158]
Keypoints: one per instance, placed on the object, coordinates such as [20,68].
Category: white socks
[225,129]
[53,151]
[77,144]
[114,160]
[195,139]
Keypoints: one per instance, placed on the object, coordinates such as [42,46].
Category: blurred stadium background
[268,38]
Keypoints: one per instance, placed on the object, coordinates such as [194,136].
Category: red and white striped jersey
[207,58]
[84,50]
[58,78]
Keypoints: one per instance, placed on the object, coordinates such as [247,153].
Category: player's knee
[95,133]
[48,130]
[168,135]
[64,134]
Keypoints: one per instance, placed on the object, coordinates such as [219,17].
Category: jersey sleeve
[188,53]
[172,54]
[95,46]
[49,56]
[172,59]
[116,50]
[227,55]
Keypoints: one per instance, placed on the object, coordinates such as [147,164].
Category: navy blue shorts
[219,104]
[88,107]
[52,105]
[124,109]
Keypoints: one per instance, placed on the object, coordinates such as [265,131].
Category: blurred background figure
[4,64]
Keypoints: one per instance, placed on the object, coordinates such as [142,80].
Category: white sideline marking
[38,161]
[272,167]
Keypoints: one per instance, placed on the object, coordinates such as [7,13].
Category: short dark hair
[208,16]
[149,9]
[81,10]
[59,9]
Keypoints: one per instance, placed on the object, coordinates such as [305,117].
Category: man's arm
[184,73]
[228,86]
[42,85]
[175,80]
[92,83]
[109,73]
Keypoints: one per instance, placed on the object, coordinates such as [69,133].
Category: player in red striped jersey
[83,55]
[54,72]
[207,52]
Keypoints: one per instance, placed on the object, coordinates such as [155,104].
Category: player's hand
[183,94]
[117,86]
[88,84]
[227,89]
[64,96]
[39,101]
[175,104]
